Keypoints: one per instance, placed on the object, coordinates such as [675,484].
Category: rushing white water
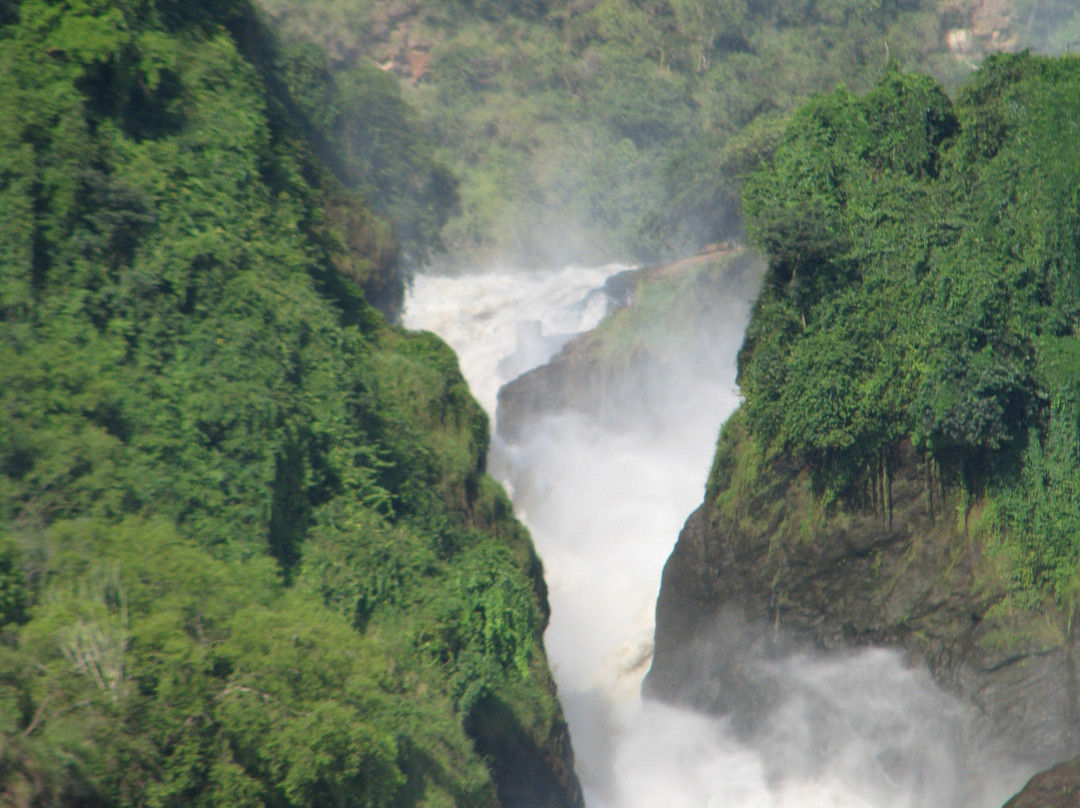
[857,731]
[483,317]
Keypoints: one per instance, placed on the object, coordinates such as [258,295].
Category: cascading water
[855,731]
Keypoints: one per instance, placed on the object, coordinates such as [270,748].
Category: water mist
[605,506]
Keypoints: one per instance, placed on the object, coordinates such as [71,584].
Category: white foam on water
[479,315]
[605,507]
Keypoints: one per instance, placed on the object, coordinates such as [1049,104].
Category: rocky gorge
[909,573]
[662,331]
[763,571]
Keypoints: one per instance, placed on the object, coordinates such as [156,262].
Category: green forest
[601,130]
[923,289]
[248,552]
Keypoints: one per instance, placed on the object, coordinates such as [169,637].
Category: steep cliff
[910,567]
[902,469]
[248,552]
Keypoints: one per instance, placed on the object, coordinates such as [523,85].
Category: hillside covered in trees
[598,130]
[248,551]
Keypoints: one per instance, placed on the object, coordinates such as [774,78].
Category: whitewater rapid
[605,508]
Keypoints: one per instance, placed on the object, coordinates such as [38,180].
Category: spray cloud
[605,503]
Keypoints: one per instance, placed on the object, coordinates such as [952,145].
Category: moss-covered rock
[637,365]
[909,566]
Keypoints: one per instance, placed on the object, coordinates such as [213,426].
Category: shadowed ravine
[605,500]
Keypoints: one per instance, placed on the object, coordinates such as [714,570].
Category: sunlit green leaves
[231,496]
[922,289]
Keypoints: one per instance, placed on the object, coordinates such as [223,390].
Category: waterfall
[859,730]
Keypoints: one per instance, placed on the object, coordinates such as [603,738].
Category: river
[605,507]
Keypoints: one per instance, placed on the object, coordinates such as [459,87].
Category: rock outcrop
[1058,787]
[634,366]
[761,570]
[905,569]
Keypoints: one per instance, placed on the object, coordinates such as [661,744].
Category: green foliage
[233,500]
[375,143]
[611,130]
[922,289]
[840,212]
[13,589]
[1037,512]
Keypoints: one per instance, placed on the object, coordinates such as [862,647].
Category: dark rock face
[526,775]
[1058,787]
[916,581]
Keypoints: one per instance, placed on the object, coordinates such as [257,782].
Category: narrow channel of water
[605,508]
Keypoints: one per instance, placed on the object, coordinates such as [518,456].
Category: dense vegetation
[924,289]
[594,129]
[369,135]
[248,554]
